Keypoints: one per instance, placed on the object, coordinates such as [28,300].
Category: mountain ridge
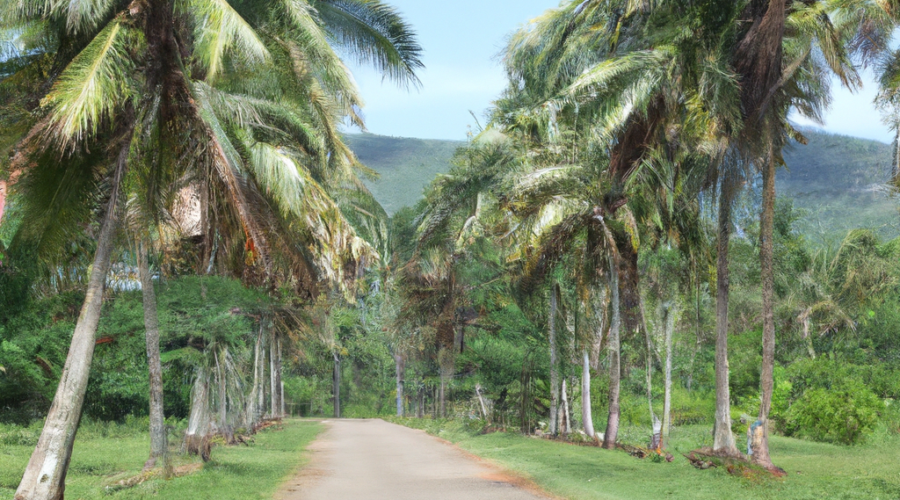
[838,181]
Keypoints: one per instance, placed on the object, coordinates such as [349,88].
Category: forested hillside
[405,166]
[839,182]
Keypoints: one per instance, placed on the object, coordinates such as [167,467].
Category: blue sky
[463,73]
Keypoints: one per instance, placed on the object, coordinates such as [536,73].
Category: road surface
[375,460]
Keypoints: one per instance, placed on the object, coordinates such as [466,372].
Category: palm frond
[93,87]
[373,32]
[219,29]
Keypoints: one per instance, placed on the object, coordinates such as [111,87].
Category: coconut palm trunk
[759,431]
[254,406]
[615,374]
[158,445]
[45,474]
[656,436]
[667,398]
[420,405]
[723,439]
[279,376]
[587,419]
[274,377]
[261,354]
[198,420]
[398,360]
[336,385]
[554,364]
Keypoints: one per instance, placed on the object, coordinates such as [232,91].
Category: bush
[843,415]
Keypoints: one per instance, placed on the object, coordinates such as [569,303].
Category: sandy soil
[374,460]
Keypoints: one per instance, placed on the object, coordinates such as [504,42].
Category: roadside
[815,470]
[234,473]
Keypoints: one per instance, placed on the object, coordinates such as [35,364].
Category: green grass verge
[815,470]
[235,472]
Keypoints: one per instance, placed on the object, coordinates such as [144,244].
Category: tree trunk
[759,442]
[45,475]
[698,325]
[615,375]
[723,439]
[336,385]
[567,420]
[279,376]
[443,395]
[554,362]
[586,394]
[655,438]
[484,412]
[420,406]
[667,399]
[274,382]
[398,361]
[257,394]
[198,421]
[158,446]
[263,363]
[810,348]
[223,393]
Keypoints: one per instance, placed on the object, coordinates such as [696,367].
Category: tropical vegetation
[607,261]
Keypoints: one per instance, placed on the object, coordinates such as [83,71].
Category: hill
[838,180]
[406,165]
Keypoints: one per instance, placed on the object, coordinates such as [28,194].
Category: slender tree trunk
[699,327]
[484,412]
[223,396]
[810,348]
[723,439]
[279,378]
[567,420]
[655,439]
[615,374]
[273,377]
[158,446]
[667,400]
[45,475]
[554,364]
[198,420]
[257,394]
[336,385]
[398,361]
[586,394]
[443,394]
[759,438]
[420,405]
[434,403]
[261,395]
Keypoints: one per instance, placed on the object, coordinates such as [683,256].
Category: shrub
[842,415]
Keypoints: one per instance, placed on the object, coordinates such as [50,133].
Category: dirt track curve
[374,460]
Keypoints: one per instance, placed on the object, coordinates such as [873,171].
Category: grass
[815,470]
[234,473]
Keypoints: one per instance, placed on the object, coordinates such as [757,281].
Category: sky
[461,42]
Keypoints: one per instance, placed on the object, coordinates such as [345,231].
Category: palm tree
[199,114]
[778,71]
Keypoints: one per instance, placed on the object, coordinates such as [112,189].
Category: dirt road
[373,460]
